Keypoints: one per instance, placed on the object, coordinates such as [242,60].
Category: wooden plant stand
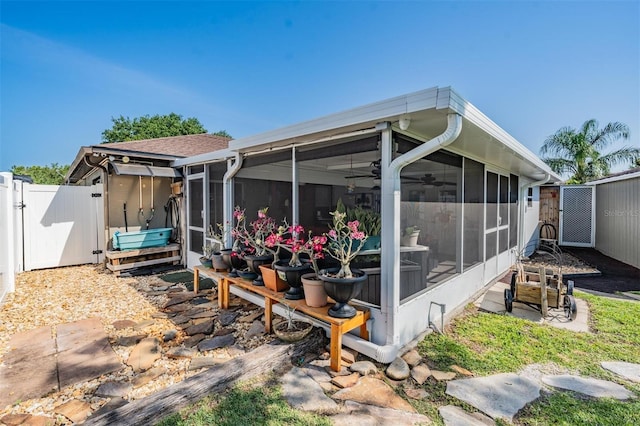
[119,261]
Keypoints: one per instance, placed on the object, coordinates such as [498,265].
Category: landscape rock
[363,414]
[227,317]
[144,354]
[398,369]
[181,352]
[443,376]
[412,358]
[416,393]
[113,389]
[461,371]
[169,335]
[373,392]
[144,324]
[75,410]
[193,340]
[148,376]
[365,368]
[303,393]
[256,329]
[420,373]
[180,319]
[588,386]
[109,406]
[158,315]
[14,419]
[205,327]
[252,317]
[178,298]
[346,381]
[224,331]
[456,416]
[130,340]
[627,370]
[38,421]
[319,374]
[216,343]
[205,362]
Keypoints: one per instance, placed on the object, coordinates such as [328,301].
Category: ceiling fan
[427,179]
[376,171]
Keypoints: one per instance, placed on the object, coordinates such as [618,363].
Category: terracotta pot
[271,279]
[314,294]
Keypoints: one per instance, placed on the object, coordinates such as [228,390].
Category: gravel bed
[55,296]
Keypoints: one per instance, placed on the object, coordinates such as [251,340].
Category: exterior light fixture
[125,159]
[404,122]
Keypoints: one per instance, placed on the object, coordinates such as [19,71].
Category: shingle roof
[177,146]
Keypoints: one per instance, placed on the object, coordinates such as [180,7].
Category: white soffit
[144,170]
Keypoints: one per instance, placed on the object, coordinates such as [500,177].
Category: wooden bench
[339,326]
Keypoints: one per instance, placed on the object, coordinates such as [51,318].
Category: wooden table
[339,326]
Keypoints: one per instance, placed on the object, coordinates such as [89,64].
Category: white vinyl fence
[7,265]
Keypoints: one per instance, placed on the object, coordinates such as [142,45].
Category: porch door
[195,217]
[496,224]
[577,215]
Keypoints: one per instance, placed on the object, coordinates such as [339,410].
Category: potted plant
[217,258]
[344,242]
[292,330]
[410,236]
[294,271]
[370,223]
[207,252]
[253,238]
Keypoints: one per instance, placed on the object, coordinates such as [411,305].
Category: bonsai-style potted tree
[253,238]
[292,330]
[207,252]
[344,242]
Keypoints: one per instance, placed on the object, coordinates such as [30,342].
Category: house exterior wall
[618,220]
[531,225]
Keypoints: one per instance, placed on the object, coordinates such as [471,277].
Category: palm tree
[579,152]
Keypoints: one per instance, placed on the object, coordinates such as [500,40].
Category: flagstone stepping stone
[205,327]
[412,358]
[216,343]
[319,374]
[588,386]
[180,319]
[144,354]
[348,355]
[160,315]
[303,393]
[181,352]
[370,415]
[373,392]
[169,335]
[420,373]
[346,381]
[112,389]
[442,376]
[205,362]
[398,369]
[192,341]
[179,298]
[14,419]
[224,331]
[365,368]
[227,317]
[148,376]
[203,314]
[182,307]
[627,370]
[75,410]
[456,416]
[498,396]
[416,393]
[256,329]
[130,340]
[122,324]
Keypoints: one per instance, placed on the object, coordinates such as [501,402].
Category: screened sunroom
[450,187]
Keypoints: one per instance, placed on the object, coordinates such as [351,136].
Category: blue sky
[248,67]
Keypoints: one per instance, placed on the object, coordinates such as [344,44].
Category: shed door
[577,215]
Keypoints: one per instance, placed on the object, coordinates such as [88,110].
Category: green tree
[222,133]
[44,175]
[578,152]
[146,127]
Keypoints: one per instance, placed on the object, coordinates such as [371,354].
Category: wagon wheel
[513,283]
[570,287]
[508,300]
[570,308]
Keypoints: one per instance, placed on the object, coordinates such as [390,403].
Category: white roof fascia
[614,178]
[367,114]
[207,157]
[475,116]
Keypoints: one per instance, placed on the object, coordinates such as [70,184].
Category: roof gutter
[227,194]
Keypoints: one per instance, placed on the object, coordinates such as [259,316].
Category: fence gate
[577,216]
[62,225]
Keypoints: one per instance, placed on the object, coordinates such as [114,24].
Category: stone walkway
[39,363]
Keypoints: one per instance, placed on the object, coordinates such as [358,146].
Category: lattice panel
[576,215]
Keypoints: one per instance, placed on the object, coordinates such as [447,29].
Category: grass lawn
[485,344]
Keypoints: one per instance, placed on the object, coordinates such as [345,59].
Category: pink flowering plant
[345,241]
[254,236]
[292,239]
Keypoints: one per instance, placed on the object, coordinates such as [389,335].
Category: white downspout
[523,206]
[227,195]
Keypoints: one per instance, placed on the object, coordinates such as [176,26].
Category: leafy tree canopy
[222,133]
[579,152]
[44,175]
[146,127]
